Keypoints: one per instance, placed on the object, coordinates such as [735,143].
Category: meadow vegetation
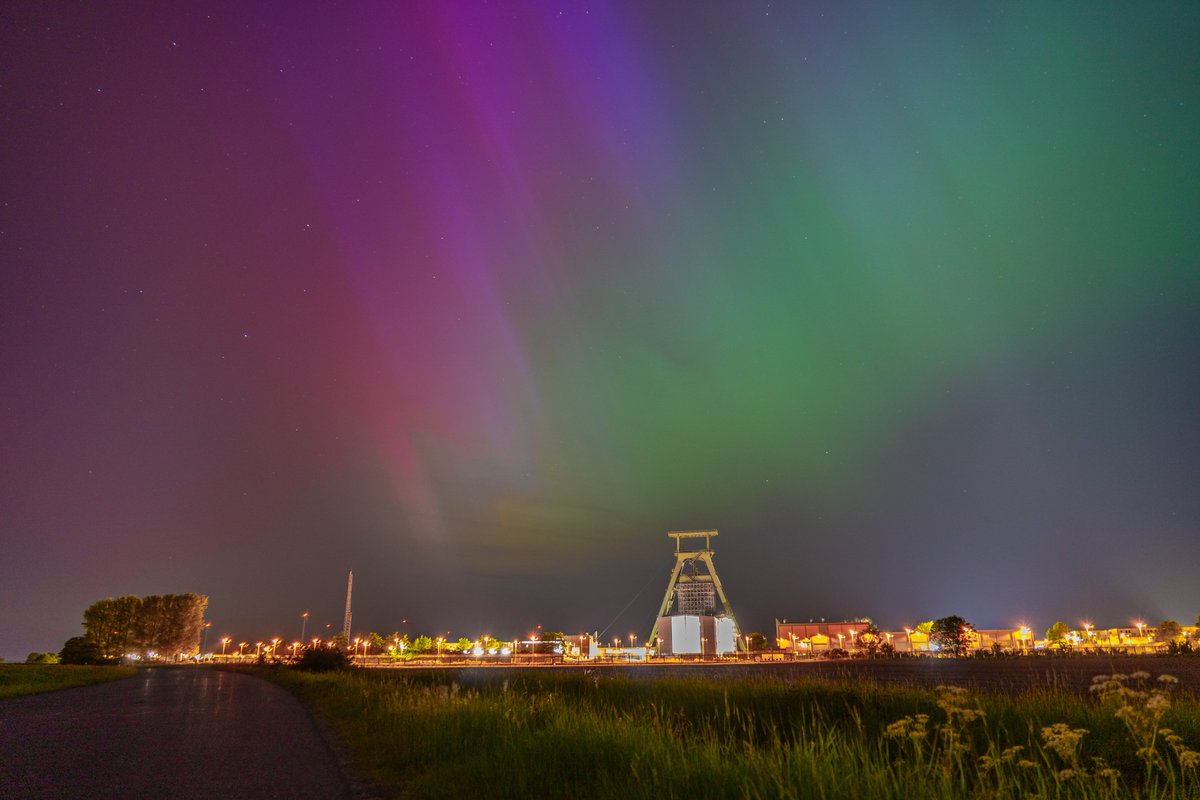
[20,679]
[522,734]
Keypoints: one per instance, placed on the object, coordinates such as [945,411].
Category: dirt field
[1073,673]
[1007,674]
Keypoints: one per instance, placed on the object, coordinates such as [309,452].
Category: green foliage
[464,645]
[323,659]
[1180,648]
[1168,630]
[165,624]
[23,679]
[951,635]
[422,644]
[869,640]
[398,644]
[375,642]
[81,650]
[515,733]
[924,627]
[550,641]
[1057,632]
[756,641]
[42,658]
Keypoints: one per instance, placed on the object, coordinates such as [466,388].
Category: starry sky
[480,299]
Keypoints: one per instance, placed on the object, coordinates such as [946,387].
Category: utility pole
[349,591]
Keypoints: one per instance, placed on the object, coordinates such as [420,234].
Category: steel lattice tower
[349,590]
[685,572]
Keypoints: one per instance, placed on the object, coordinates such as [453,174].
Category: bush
[323,659]
[81,650]
[42,658]
[1180,648]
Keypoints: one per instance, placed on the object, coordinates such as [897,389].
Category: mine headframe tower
[694,577]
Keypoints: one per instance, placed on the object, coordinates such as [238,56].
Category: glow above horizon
[483,286]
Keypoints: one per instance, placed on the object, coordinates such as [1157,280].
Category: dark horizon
[481,301]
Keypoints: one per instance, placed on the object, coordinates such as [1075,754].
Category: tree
[172,623]
[166,624]
[422,644]
[81,650]
[869,640]
[1057,632]
[1168,630]
[42,658]
[113,624]
[951,635]
[463,645]
[550,642]
[924,627]
[756,641]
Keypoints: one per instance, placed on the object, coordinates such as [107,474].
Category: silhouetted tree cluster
[81,650]
[756,641]
[951,634]
[323,659]
[163,623]
[1057,632]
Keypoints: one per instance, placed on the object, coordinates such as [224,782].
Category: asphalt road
[166,733]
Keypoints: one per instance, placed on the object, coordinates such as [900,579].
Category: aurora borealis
[480,299]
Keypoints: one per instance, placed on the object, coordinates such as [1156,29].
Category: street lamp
[224,641]
[257,649]
[204,643]
[241,647]
[908,633]
[303,625]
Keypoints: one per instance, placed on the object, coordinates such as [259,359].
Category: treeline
[163,624]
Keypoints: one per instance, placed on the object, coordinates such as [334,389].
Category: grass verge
[21,679]
[521,734]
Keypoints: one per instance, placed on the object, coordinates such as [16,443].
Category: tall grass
[21,679]
[527,734]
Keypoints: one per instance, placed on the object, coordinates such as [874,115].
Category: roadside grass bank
[22,679]
[516,734]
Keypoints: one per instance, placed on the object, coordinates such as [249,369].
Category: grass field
[514,733]
[19,679]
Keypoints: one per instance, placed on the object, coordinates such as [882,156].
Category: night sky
[481,299]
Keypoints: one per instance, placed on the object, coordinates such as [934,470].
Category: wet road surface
[169,733]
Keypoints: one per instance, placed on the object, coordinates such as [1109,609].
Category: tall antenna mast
[349,591]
